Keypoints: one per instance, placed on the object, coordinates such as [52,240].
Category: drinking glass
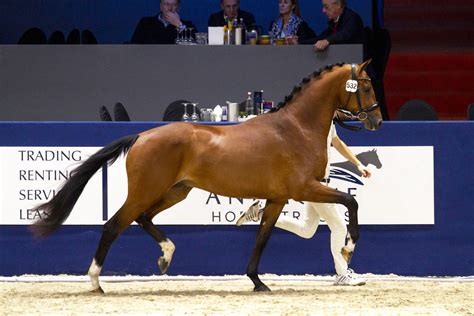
[201,38]
[189,36]
[185,117]
[178,36]
[194,116]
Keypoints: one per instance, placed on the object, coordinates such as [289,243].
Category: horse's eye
[366,87]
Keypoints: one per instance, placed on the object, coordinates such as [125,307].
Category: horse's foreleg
[173,196]
[352,229]
[323,194]
[270,215]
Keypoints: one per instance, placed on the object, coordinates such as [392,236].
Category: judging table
[71,82]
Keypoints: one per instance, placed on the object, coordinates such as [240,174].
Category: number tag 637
[351,85]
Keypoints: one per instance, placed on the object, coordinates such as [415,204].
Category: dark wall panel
[50,82]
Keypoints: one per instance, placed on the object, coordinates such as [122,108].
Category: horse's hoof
[163,265]
[98,291]
[347,254]
[261,288]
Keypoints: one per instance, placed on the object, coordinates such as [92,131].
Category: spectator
[344,26]
[230,11]
[163,27]
[290,25]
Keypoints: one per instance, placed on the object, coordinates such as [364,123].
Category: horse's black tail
[57,210]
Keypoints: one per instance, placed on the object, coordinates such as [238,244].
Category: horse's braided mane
[303,83]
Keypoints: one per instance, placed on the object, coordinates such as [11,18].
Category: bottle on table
[257,101]
[249,104]
[229,33]
[225,113]
[240,33]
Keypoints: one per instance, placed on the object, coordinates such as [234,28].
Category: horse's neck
[314,108]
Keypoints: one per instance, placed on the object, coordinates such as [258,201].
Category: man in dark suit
[344,26]
[163,27]
[230,11]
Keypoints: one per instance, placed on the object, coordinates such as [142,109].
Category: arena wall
[442,248]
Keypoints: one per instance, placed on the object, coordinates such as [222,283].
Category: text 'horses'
[285,148]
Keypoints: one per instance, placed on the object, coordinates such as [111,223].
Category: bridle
[352,86]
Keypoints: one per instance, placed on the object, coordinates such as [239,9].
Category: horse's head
[357,98]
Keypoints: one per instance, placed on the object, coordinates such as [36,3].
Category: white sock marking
[168,249]
[94,272]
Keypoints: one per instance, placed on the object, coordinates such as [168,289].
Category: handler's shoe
[348,279]
[254,213]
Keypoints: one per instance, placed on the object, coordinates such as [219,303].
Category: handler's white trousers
[308,222]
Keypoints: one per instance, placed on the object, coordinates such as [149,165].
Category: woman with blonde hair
[289,24]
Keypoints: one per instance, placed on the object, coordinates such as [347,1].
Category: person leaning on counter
[163,27]
[230,11]
[345,26]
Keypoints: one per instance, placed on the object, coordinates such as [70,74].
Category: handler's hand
[321,45]
[365,171]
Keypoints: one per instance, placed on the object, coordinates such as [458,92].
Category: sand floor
[234,296]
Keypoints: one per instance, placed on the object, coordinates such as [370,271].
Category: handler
[308,222]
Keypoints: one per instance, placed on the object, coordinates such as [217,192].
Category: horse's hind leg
[173,196]
[270,215]
[167,246]
[112,229]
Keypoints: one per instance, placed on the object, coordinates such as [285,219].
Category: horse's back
[251,159]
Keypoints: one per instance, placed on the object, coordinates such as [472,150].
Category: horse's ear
[364,65]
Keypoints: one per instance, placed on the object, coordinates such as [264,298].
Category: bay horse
[285,148]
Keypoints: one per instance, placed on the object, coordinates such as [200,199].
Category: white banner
[400,191]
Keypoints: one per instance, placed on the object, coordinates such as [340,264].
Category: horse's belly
[245,183]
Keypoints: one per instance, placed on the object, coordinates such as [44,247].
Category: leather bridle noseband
[361,114]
